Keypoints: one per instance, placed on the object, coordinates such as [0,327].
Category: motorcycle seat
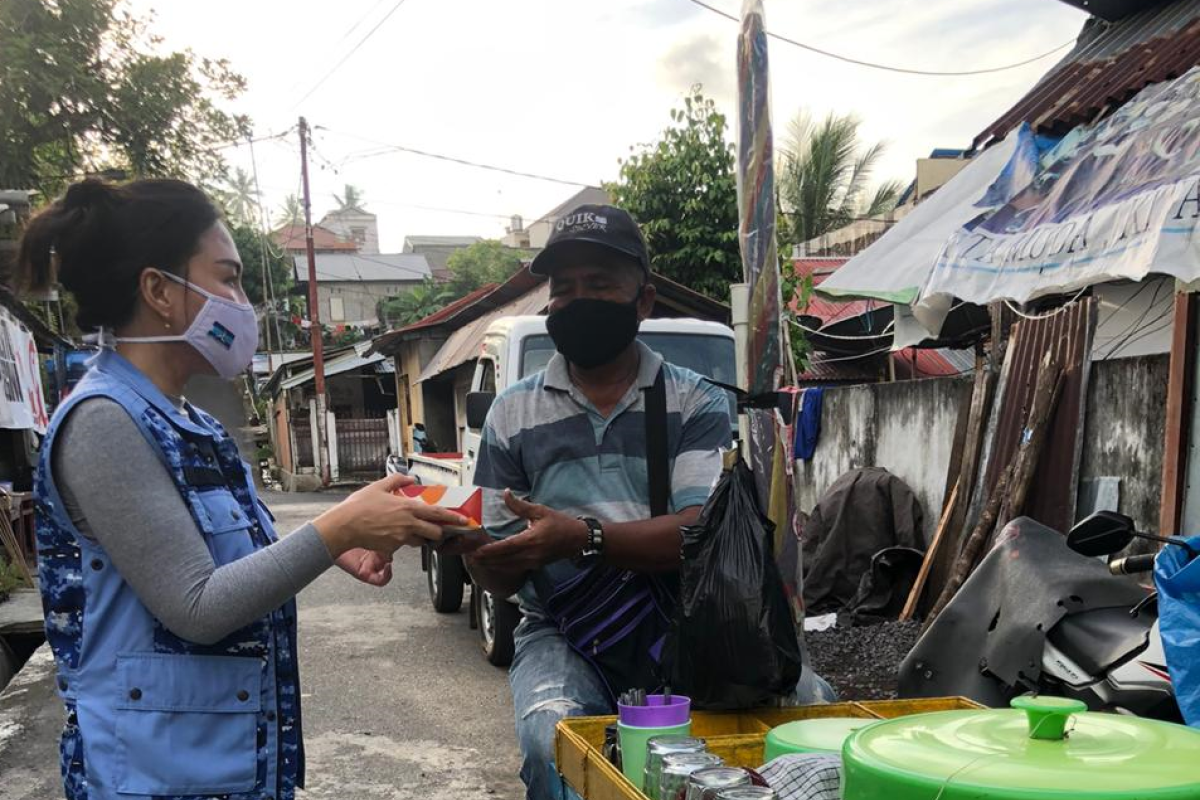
[1097,640]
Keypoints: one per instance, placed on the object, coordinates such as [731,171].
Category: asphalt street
[398,700]
[399,703]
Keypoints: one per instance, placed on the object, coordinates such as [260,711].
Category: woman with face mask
[168,595]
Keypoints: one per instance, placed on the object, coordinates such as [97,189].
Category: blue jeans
[551,681]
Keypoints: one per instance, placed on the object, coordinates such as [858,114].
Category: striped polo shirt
[545,440]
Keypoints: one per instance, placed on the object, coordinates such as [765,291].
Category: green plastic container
[633,746]
[1047,748]
[811,736]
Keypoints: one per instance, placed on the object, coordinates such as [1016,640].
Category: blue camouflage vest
[151,715]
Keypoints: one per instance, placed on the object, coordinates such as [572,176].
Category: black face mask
[590,332]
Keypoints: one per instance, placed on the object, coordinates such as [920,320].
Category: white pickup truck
[513,349]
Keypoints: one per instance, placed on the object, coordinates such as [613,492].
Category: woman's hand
[375,518]
[368,566]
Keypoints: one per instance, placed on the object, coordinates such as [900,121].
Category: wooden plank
[1180,384]
[942,563]
[1008,496]
[15,555]
[914,596]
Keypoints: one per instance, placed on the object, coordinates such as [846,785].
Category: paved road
[398,702]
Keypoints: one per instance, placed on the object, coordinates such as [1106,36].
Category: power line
[360,21]
[264,250]
[886,334]
[452,159]
[1064,307]
[352,51]
[1136,330]
[873,65]
[867,354]
[440,209]
[239,142]
[444,210]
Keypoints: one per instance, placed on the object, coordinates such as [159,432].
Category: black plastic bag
[733,642]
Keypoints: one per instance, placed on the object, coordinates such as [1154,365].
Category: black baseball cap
[606,226]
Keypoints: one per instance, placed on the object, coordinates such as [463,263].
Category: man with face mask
[563,464]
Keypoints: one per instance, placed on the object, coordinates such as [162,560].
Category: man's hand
[368,566]
[464,544]
[551,536]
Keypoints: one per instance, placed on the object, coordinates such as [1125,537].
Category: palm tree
[292,212]
[351,197]
[415,304]
[825,173]
[240,197]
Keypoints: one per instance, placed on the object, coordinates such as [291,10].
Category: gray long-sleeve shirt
[118,493]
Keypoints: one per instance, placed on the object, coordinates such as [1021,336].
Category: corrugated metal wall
[1051,501]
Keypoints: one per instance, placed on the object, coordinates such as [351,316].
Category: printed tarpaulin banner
[1115,200]
[22,404]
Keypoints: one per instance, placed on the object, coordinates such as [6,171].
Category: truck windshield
[710,356]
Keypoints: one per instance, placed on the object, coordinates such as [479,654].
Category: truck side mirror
[478,405]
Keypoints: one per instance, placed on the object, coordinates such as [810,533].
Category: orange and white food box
[465,500]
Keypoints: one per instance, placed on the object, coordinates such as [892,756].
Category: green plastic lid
[811,736]
[1048,747]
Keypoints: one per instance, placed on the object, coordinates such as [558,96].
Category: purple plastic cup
[659,712]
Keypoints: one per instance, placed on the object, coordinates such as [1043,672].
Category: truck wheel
[445,582]
[498,619]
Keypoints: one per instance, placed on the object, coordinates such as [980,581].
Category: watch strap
[595,540]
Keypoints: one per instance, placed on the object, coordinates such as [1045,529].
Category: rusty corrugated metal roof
[1111,62]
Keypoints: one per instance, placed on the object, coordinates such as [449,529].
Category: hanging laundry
[808,423]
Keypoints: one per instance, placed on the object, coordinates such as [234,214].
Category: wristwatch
[595,540]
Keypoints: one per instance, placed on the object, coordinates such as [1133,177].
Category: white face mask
[224,332]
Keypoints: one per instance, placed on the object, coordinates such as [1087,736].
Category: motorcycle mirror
[1102,534]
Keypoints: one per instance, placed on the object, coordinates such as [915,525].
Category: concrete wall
[353,225]
[906,428]
[1125,432]
[359,299]
[933,173]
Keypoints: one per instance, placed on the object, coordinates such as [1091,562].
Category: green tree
[257,254]
[292,212]
[482,263]
[415,304]
[825,173]
[239,196]
[683,192]
[85,88]
[351,197]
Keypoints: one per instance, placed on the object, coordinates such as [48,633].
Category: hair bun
[88,193]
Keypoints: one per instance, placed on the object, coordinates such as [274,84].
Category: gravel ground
[861,662]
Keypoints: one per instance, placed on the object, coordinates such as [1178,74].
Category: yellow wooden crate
[735,737]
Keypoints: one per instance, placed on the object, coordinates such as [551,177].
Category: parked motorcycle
[1044,614]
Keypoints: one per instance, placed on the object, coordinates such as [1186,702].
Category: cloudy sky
[564,88]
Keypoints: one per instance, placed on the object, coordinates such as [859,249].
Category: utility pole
[314,316]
